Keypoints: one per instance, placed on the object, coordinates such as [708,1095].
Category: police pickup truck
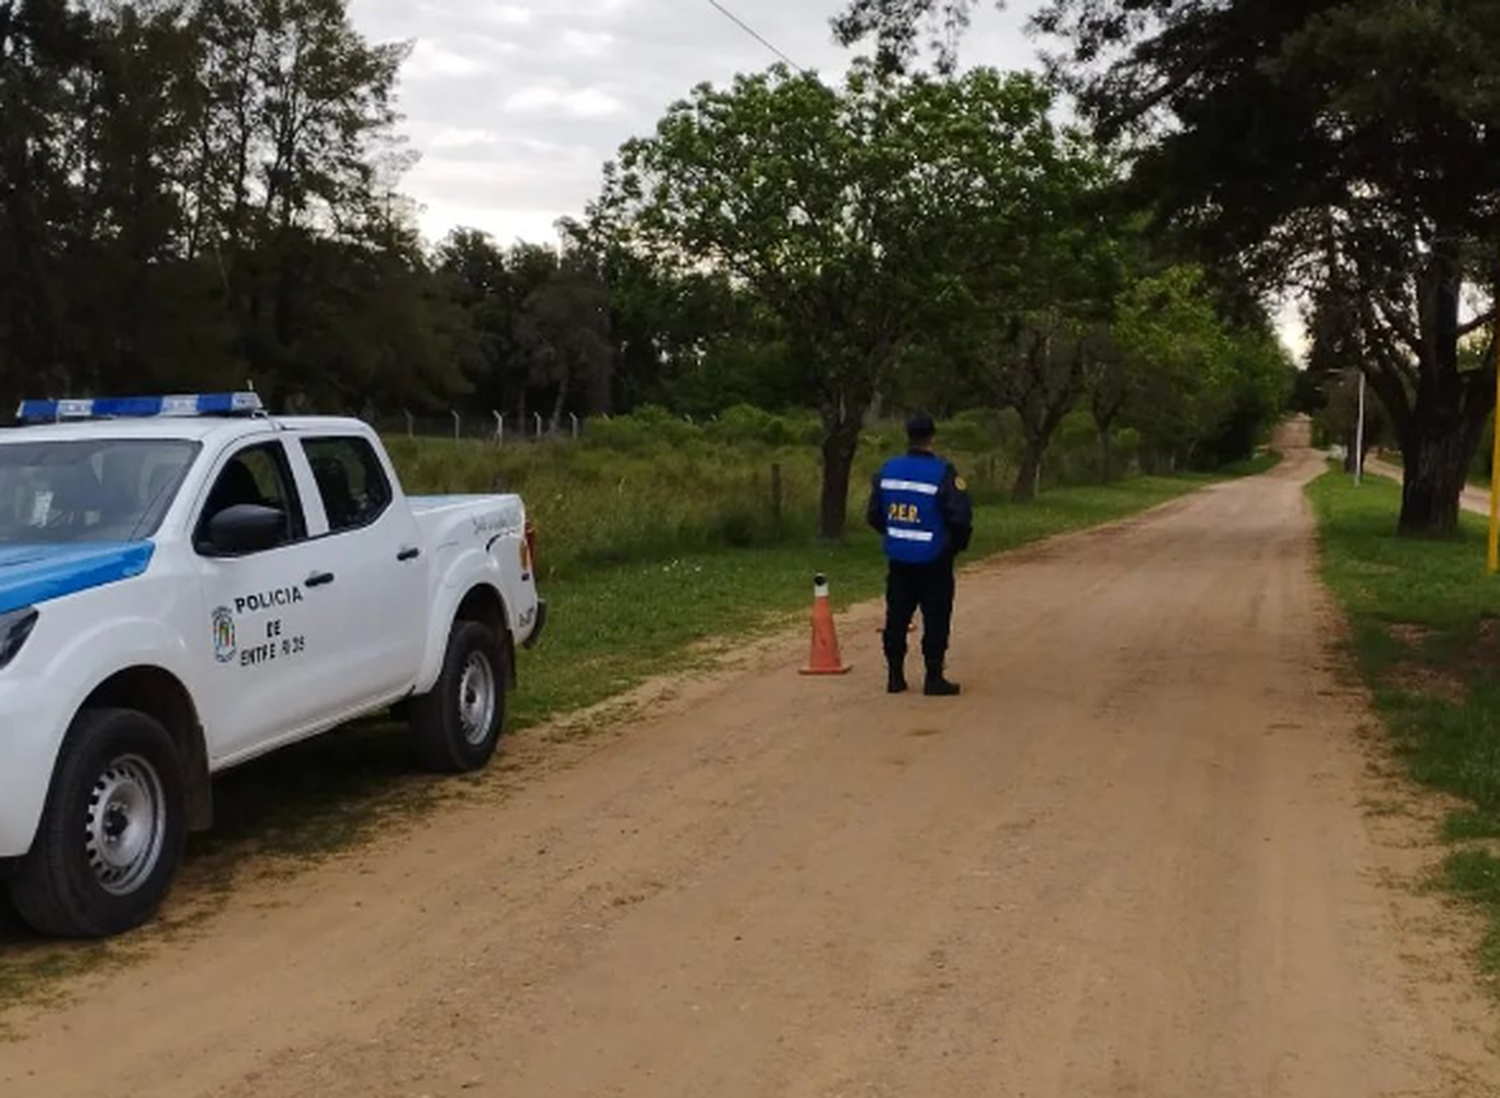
[187,583]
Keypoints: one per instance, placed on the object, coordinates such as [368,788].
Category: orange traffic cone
[825,658]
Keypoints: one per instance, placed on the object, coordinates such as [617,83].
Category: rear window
[351,481]
[90,490]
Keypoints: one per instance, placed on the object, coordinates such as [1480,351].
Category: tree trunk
[1448,416]
[839,447]
[1030,472]
[562,402]
[1436,450]
[1107,454]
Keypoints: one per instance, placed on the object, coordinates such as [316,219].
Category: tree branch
[1377,331]
[1399,325]
[1477,323]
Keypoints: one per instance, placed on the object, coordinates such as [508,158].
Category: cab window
[261,477]
[351,481]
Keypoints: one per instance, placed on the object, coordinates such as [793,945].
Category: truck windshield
[93,490]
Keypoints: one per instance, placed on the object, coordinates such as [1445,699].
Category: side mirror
[245,528]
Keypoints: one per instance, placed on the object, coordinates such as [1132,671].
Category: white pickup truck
[187,583]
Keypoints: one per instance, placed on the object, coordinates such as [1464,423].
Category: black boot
[895,682]
[937,686]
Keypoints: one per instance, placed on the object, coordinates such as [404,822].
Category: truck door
[381,592]
[270,664]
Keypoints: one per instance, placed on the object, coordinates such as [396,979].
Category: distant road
[1476,500]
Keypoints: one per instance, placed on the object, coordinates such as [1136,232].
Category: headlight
[15,627]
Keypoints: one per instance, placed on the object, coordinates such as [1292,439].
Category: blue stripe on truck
[32,574]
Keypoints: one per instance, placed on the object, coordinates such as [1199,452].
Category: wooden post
[1359,436]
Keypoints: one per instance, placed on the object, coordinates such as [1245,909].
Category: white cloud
[506,15]
[452,138]
[575,103]
[430,59]
[587,44]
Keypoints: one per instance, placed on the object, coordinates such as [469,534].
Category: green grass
[647,487]
[612,627]
[1425,621]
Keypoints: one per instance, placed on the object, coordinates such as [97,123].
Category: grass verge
[611,629]
[1425,621]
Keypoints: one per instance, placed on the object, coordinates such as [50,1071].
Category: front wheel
[457,725]
[112,833]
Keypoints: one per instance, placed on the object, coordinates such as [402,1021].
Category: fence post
[411,424]
[458,425]
[499,428]
[574,417]
[776,491]
[538,416]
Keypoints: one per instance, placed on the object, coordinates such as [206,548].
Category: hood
[32,574]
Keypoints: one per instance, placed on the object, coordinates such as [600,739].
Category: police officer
[921,506]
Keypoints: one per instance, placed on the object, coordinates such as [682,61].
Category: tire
[457,725]
[112,832]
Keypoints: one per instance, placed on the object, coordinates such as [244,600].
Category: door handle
[320,579]
[408,554]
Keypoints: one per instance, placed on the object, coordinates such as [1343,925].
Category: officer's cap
[920,427]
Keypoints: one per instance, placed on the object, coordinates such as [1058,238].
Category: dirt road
[1473,499]
[1137,858]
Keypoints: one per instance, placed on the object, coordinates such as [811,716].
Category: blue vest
[915,530]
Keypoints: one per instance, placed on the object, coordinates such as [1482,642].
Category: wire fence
[496,428]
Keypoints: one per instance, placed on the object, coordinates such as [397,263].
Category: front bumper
[30,733]
[541,624]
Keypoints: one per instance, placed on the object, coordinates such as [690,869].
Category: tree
[1325,140]
[897,27]
[1041,378]
[690,340]
[44,46]
[563,333]
[1054,304]
[1167,366]
[853,215]
[483,281]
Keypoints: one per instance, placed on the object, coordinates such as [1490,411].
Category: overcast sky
[514,105]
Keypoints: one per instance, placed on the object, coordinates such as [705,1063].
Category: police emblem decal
[225,646]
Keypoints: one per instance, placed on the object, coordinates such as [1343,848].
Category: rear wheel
[457,725]
[112,833]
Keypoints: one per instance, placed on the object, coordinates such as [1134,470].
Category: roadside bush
[745,423]
[649,486]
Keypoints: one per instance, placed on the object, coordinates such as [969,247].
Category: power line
[755,34]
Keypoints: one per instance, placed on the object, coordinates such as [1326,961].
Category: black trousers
[930,587]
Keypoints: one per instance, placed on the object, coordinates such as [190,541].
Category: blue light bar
[203,404]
